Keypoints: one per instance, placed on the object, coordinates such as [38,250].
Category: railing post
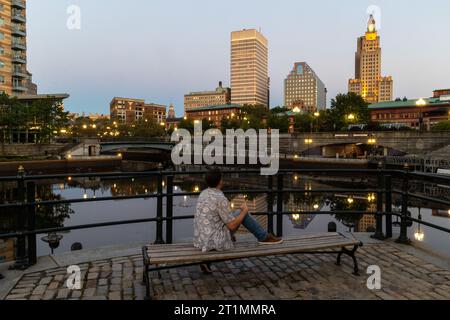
[403,239]
[31,213]
[159,210]
[388,205]
[21,258]
[379,215]
[280,204]
[270,204]
[169,210]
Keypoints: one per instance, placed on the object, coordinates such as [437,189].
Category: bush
[442,126]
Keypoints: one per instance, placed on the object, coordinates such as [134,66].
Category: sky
[159,50]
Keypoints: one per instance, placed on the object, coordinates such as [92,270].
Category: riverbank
[41,167]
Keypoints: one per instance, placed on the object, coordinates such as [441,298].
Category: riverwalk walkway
[115,273]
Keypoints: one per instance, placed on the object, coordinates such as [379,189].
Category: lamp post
[372,141]
[421,103]
[308,142]
[316,116]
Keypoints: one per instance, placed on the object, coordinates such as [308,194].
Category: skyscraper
[368,81]
[14,77]
[303,87]
[249,68]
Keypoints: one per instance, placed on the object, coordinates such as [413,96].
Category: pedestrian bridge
[394,143]
[328,144]
[107,147]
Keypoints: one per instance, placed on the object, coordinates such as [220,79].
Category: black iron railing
[27,202]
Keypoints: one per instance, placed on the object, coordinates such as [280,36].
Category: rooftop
[430,102]
[220,107]
[43,96]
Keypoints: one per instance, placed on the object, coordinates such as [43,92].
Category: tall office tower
[303,87]
[249,68]
[368,81]
[15,79]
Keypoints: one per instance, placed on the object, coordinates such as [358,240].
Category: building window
[2,79]
[2,64]
[2,36]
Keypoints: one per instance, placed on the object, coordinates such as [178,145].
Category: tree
[230,124]
[49,117]
[303,122]
[207,124]
[186,124]
[252,115]
[44,118]
[279,109]
[144,129]
[280,122]
[348,104]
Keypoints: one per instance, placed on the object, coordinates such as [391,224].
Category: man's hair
[213,177]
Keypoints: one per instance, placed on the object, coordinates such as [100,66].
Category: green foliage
[187,124]
[442,126]
[251,117]
[45,117]
[279,109]
[230,124]
[280,122]
[344,105]
[147,129]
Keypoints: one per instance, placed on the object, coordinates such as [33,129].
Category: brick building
[215,113]
[129,111]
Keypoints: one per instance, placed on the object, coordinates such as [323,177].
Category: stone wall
[30,150]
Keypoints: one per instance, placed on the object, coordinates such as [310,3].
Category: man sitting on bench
[215,224]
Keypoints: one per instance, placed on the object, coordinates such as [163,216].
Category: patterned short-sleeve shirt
[212,215]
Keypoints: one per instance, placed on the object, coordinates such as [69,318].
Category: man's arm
[236,223]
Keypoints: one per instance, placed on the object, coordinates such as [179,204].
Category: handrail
[28,204]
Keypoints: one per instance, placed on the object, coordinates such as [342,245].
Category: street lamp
[421,103]
[351,117]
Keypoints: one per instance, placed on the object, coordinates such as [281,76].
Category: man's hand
[234,225]
[244,208]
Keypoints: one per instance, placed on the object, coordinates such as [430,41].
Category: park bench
[169,256]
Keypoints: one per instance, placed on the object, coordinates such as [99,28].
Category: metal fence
[274,189]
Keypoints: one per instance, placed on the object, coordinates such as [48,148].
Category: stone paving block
[116,295]
[39,290]
[63,294]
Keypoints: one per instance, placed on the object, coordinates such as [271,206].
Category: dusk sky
[161,49]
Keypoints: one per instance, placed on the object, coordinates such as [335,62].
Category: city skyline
[92,65]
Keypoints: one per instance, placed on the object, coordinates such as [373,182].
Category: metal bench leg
[146,280]
[352,254]
[145,274]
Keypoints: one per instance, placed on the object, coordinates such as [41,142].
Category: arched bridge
[393,142]
[117,146]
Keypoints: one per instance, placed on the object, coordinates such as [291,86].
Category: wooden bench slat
[186,253]
[176,247]
[295,238]
[190,250]
[243,254]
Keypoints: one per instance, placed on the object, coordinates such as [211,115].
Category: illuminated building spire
[371,25]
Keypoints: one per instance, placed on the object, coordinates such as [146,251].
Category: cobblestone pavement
[404,276]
